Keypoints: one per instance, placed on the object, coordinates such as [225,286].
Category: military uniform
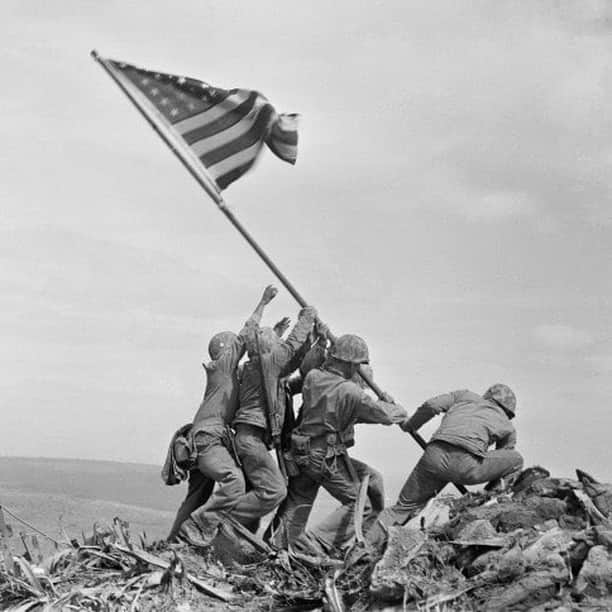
[255,429]
[332,406]
[457,452]
[211,436]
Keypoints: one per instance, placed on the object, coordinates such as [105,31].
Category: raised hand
[269,294]
[282,326]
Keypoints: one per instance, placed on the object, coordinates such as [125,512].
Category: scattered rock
[551,487]
[600,493]
[478,530]
[511,516]
[595,577]
[604,537]
[546,545]
[388,577]
[528,477]
[528,591]
[553,542]
[434,516]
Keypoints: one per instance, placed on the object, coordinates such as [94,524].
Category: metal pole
[195,168]
[192,164]
[153,118]
[273,268]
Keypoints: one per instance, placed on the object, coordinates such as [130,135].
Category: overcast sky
[451,204]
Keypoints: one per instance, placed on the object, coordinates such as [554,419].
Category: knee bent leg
[271,497]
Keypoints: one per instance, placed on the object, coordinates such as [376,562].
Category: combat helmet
[350,348]
[219,342]
[504,396]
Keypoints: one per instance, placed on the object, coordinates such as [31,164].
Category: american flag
[224,128]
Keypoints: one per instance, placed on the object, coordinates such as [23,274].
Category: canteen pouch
[300,445]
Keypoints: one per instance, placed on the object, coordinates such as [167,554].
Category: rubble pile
[546,544]
[108,572]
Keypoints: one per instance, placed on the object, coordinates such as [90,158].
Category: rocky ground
[544,545]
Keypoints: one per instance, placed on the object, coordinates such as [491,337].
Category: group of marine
[247,410]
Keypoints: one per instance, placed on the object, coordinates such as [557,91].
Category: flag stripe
[201,147]
[288,137]
[218,133]
[284,151]
[242,157]
[229,177]
[213,112]
[227,120]
[255,134]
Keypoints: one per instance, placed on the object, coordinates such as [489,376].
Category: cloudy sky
[451,203]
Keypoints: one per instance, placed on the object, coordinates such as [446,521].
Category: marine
[459,451]
[332,404]
[211,437]
[258,423]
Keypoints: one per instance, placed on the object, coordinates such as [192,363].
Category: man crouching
[458,451]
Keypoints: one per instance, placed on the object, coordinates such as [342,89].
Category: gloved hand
[321,330]
[308,311]
[405,425]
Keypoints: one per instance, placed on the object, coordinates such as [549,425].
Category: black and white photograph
[306,305]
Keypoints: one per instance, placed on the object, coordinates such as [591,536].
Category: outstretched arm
[369,410]
[432,407]
[268,295]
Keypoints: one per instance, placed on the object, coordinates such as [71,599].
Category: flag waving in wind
[224,129]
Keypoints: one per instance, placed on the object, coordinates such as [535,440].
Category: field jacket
[333,405]
[470,422]
[220,400]
[268,411]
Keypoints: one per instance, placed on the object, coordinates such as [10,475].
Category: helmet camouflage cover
[503,395]
[350,348]
[218,342]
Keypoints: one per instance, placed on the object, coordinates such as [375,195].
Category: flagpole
[195,168]
[150,113]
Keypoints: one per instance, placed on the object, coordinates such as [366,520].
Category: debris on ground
[545,544]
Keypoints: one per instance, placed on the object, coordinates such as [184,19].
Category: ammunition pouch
[300,445]
[291,465]
[334,445]
[300,450]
